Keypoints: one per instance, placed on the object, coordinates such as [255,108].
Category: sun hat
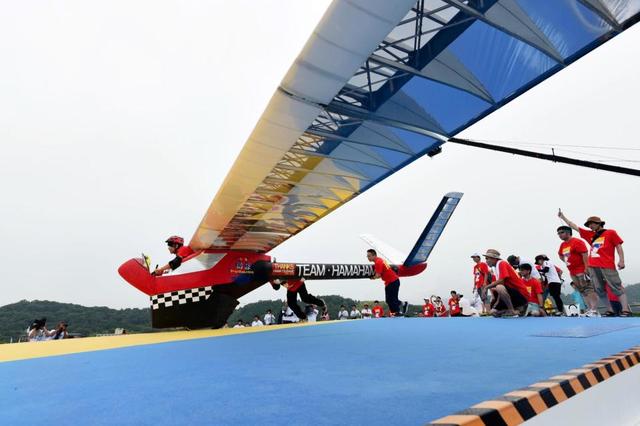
[594,219]
[492,253]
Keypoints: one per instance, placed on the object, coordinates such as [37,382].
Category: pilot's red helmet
[174,240]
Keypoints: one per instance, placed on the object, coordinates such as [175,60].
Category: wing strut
[549,157]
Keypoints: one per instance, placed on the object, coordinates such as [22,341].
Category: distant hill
[88,321]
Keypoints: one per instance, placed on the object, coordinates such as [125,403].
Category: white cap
[475,255]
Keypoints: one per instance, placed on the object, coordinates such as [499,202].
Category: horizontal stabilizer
[390,254]
[423,247]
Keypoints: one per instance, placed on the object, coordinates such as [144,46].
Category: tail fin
[383,249]
[423,247]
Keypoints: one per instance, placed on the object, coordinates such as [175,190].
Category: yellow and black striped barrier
[514,408]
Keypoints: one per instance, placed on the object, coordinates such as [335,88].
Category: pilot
[176,246]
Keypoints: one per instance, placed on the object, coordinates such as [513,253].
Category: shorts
[517,299]
[531,308]
[600,276]
[583,284]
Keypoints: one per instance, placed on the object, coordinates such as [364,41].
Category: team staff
[602,266]
[574,253]
[391,283]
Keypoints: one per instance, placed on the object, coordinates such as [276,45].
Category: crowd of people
[518,286]
[38,331]
[312,313]
[511,287]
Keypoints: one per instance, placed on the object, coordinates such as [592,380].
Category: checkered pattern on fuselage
[180,297]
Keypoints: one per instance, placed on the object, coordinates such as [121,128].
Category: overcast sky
[119,121]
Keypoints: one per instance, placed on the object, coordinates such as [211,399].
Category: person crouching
[511,293]
[534,288]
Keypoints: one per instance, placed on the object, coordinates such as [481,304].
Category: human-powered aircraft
[378,85]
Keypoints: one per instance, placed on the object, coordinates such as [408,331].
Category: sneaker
[591,314]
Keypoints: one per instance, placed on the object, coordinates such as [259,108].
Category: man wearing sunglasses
[176,246]
[574,253]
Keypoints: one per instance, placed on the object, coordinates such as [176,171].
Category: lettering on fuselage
[328,271]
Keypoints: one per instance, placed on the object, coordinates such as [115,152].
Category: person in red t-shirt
[428,310]
[391,283]
[574,253]
[176,246]
[534,289]
[481,277]
[454,304]
[601,263]
[510,292]
[297,287]
[377,311]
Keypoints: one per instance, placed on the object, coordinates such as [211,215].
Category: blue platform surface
[378,372]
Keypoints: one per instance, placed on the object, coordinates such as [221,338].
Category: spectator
[343,314]
[602,267]
[515,262]
[573,252]
[378,311]
[454,305]
[269,318]
[440,309]
[61,331]
[239,324]
[256,322]
[550,275]
[466,310]
[325,314]
[312,313]
[37,331]
[391,283]
[366,312]
[354,313]
[511,294]
[534,290]
[289,317]
[428,310]
[481,277]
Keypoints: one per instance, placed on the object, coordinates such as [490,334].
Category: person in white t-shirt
[343,314]
[311,312]
[289,317]
[239,324]
[552,275]
[269,318]
[256,322]
[355,313]
[366,312]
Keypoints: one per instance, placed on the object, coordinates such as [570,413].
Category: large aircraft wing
[381,83]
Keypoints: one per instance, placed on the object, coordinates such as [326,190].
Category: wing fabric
[380,84]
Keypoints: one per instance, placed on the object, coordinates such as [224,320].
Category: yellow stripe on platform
[29,350]
[516,407]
